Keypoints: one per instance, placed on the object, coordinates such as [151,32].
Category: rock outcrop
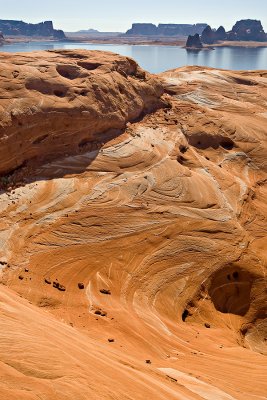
[244,30]
[248,30]
[220,34]
[146,29]
[157,234]
[194,42]
[70,101]
[210,36]
[2,39]
[20,28]
[165,29]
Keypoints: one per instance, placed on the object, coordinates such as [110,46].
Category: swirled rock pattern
[54,103]
[137,269]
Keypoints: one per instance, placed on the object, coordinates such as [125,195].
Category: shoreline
[133,41]
[239,44]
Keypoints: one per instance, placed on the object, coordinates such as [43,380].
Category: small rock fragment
[21,277]
[105,291]
[148,361]
[171,378]
[48,281]
[207,325]
[80,285]
[111,340]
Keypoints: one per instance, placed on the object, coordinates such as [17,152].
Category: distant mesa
[20,28]
[244,30]
[147,29]
[143,29]
[92,33]
[88,31]
[248,30]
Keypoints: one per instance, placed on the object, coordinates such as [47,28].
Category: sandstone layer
[60,101]
[135,268]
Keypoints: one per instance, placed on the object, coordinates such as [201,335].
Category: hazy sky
[118,15]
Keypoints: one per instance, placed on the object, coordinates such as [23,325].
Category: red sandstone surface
[133,230]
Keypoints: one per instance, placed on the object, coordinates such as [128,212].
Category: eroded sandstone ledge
[55,103]
[139,271]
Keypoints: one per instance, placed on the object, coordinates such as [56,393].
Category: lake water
[161,58]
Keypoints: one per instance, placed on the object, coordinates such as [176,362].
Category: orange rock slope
[133,230]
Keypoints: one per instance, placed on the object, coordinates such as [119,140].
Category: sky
[118,15]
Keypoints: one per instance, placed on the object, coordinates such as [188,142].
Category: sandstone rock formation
[208,35]
[143,29]
[163,223]
[244,30]
[2,39]
[221,34]
[20,28]
[74,100]
[248,29]
[165,29]
[194,42]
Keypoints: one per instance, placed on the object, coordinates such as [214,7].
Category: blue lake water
[161,58]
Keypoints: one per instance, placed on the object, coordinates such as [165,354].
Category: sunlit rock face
[134,267]
[58,102]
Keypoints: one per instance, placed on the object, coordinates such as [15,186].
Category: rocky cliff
[133,263]
[2,39]
[194,42]
[43,29]
[244,30]
[165,29]
[73,100]
[247,30]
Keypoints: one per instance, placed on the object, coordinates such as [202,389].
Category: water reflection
[161,58]
[236,58]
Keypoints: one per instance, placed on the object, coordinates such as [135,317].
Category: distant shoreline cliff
[147,29]
[244,30]
[20,28]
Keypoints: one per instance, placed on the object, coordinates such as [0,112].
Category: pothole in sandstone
[204,141]
[230,290]
[68,71]
[234,298]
